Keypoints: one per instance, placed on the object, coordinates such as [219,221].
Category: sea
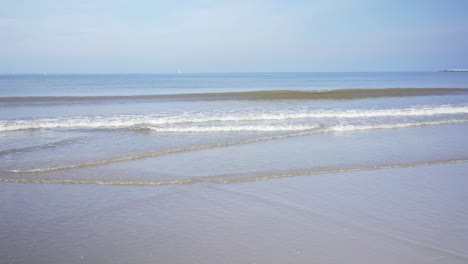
[234,168]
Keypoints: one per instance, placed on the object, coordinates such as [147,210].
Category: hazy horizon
[220,72]
[189,73]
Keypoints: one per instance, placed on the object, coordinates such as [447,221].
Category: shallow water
[325,174]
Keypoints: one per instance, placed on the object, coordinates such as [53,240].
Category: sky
[144,36]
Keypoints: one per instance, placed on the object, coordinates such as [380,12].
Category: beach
[234,168]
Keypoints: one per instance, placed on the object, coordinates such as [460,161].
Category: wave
[348,128]
[338,94]
[151,154]
[102,181]
[317,171]
[241,128]
[54,144]
[233,178]
[145,155]
[157,122]
[279,128]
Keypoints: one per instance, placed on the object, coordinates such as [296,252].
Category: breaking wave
[333,128]
[178,122]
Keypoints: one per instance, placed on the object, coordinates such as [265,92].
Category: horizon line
[188,73]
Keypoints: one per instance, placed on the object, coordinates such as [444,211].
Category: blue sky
[124,36]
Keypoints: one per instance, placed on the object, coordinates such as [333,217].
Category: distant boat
[454,70]
[179,71]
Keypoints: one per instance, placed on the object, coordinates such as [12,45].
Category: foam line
[168,123]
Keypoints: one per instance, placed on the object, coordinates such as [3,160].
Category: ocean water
[214,152]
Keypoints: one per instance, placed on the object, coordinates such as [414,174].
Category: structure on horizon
[454,70]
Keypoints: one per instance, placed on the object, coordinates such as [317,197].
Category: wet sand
[404,215]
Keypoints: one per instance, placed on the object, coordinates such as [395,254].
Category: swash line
[156,154]
[340,128]
[229,179]
[307,172]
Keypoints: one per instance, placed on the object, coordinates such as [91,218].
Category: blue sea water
[101,119]
[144,84]
[157,166]
[56,126]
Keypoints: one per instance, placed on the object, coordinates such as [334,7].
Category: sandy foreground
[404,215]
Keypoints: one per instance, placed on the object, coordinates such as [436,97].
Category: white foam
[345,128]
[166,122]
[264,128]
[279,128]
[357,113]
